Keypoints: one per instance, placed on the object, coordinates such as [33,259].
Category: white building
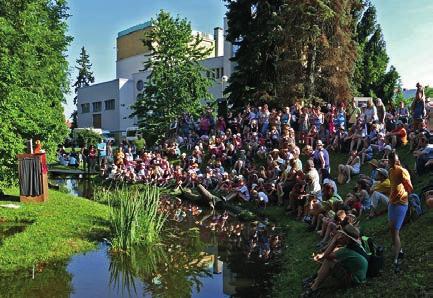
[107,105]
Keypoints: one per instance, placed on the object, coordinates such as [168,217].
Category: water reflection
[204,254]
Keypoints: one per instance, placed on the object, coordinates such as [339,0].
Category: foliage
[372,76]
[33,78]
[58,229]
[176,83]
[291,49]
[134,216]
[85,78]
[87,137]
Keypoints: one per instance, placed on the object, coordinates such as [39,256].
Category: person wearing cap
[379,193]
[397,136]
[344,262]
[321,158]
[418,107]
[401,187]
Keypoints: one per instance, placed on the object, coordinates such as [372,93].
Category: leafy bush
[87,137]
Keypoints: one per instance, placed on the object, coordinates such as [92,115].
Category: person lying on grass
[343,264]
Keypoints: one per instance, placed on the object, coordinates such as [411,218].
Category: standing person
[370,114]
[84,153]
[381,112]
[418,107]
[92,159]
[354,114]
[321,159]
[102,153]
[401,187]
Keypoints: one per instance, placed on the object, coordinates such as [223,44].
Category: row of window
[97,106]
[215,73]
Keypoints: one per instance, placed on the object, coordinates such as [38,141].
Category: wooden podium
[33,177]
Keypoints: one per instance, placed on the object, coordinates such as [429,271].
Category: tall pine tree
[84,78]
[176,83]
[372,76]
[291,49]
[253,29]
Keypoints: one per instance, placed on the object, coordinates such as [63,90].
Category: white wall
[125,68]
[212,63]
[126,99]
[99,92]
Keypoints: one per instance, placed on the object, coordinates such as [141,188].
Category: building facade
[107,105]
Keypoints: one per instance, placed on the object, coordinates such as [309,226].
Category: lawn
[417,240]
[58,229]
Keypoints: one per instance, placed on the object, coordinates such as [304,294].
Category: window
[109,104]
[208,74]
[97,121]
[97,106]
[85,108]
[140,85]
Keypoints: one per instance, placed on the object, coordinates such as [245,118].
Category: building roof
[134,28]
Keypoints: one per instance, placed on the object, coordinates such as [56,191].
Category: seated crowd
[256,155]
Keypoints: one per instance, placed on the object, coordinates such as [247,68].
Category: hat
[388,147]
[319,142]
[383,172]
[374,163]
[351,232]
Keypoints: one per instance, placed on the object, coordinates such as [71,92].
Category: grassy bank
[57,229]
[417,240]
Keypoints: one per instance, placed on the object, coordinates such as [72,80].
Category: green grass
[134,216]
[417,240]
[58,229]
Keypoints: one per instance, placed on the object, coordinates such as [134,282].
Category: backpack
[415,208]
[375,258]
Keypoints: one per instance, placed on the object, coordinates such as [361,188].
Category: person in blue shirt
[102,153]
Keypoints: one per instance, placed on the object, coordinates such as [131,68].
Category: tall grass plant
[134,216]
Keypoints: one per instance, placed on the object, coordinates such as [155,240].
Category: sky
[407,27]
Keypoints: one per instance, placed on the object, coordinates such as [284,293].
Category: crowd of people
[283,157]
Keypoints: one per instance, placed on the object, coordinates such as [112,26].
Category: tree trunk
[311,70]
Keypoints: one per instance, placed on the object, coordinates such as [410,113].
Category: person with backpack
[401,187]
[344,262]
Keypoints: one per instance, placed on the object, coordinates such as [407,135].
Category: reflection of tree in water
[53,281]
[169,270]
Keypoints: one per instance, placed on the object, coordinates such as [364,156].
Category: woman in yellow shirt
[401,186]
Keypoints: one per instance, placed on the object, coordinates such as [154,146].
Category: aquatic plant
[134,216]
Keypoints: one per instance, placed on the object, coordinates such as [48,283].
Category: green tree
[176,83]
[289,49]
[33,78]
[84,78]
[253,30]
[372,76]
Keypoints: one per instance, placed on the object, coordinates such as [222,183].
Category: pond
[204,254]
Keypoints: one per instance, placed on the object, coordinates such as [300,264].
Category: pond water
[203,254]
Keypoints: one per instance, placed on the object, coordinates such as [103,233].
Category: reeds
[134,216]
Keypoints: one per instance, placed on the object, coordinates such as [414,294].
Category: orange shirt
[402,134]
[399,178]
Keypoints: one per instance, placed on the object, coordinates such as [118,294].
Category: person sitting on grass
[343,264]
[424,156]
[379,193]
[352,167]
[398,136]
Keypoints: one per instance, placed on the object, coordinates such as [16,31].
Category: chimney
[219,41]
